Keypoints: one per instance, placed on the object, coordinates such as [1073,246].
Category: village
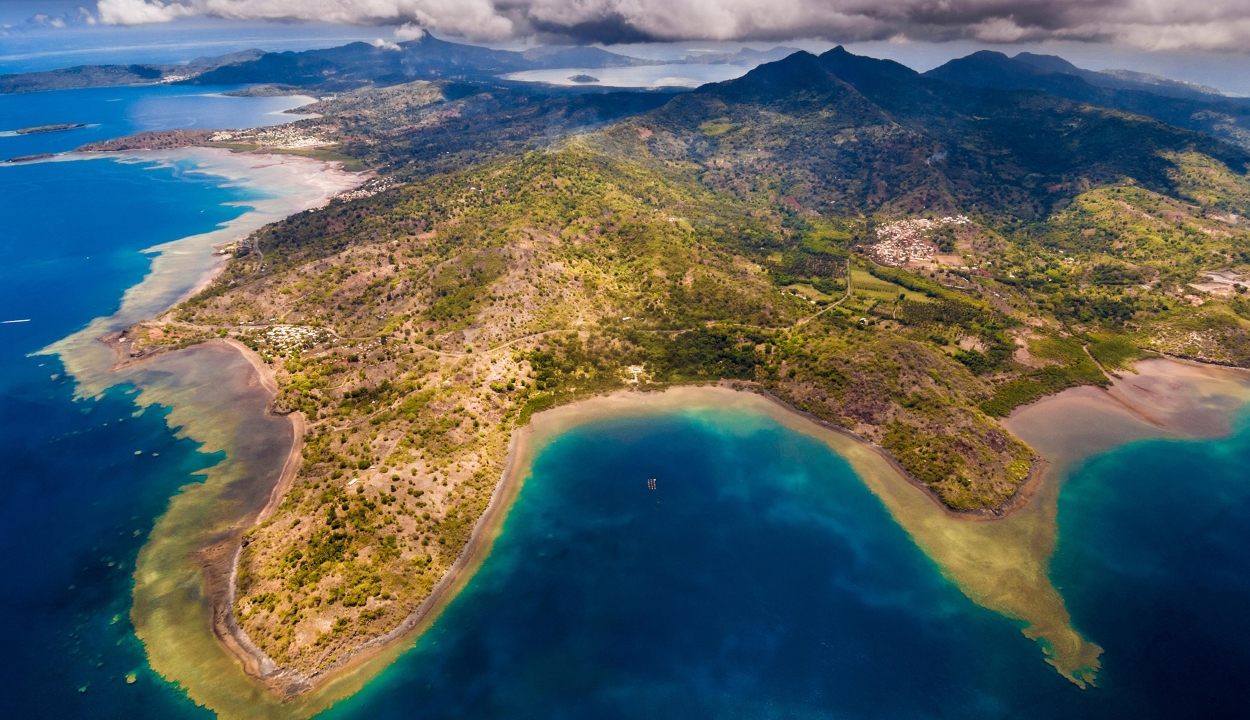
[282,137]
[908,242]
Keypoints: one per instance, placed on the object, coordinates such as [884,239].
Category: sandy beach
[999,563]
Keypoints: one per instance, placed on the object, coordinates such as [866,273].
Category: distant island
[29,158]
[49,128]
[583,78]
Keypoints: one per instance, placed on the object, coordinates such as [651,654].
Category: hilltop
[902,257]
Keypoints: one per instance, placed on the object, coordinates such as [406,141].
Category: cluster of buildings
[369,189]
[282,137]
[904,241]
[286,337]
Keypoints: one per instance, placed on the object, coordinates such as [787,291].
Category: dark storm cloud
[1151,24]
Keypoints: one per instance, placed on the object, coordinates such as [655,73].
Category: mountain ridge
[1223,117]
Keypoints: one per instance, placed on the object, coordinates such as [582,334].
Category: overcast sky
[1145,24]
[1200,40]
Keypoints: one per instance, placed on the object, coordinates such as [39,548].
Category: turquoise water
[760,579]
[76,501]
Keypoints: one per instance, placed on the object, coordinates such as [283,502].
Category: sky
[1206,41]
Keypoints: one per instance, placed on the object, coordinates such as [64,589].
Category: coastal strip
[285,184]
[216,396]
[999,563]
[186,575]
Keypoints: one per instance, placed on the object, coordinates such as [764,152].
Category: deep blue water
[760,579]
[114,112]
[1154,558]
[77,502]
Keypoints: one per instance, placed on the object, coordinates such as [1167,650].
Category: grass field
[873,288]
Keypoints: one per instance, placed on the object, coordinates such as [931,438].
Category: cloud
[1150,24]
[385,45]
[409,31]
[476,19]
[139,12]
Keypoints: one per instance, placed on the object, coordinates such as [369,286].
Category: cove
[760,578]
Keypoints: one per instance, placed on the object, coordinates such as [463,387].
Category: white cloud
[385,45]
[139,12]
[478,19]
[409,31]
[998,30]
[1151,24]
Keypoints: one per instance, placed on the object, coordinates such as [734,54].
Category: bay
[762,579]
[119,111]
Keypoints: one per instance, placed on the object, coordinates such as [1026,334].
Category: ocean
[759,579]
[85,479]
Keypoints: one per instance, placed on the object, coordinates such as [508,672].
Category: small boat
[651,484]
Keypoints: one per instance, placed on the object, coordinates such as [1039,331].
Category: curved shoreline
[999,559]
[872,464]
[289,184]
[288,683]
[1024,492]
[998,562]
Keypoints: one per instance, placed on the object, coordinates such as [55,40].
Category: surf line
[8,322]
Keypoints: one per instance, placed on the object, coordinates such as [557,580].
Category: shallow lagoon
[78,501]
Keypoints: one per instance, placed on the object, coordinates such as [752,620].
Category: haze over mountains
[1182,104]
[1185,105]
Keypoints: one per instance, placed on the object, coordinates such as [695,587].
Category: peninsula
[881,251]
[49,128]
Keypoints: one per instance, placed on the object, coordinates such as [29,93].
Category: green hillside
[521,250]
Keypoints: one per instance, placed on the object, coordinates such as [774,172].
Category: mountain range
[1182,104]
